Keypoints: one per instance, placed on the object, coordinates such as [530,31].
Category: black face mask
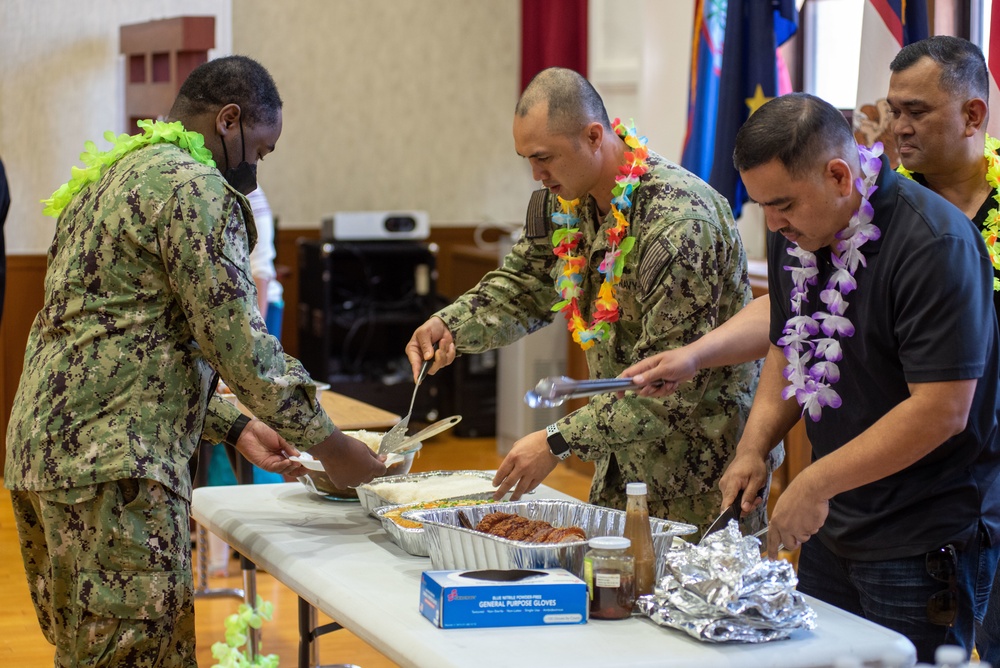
[242,177]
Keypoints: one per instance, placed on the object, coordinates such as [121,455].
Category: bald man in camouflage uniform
[148,299]
[686,274]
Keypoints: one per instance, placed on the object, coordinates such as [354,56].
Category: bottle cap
[949,655]
[635,488]
[609,543]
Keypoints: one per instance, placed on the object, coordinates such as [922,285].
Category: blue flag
[703,97]
[906,19]
[754,30]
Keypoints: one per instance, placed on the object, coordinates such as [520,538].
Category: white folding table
[338,559]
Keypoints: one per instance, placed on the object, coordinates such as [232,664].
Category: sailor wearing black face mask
[159,243]
[242,177]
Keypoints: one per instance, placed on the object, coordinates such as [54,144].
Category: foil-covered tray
[370,499]
[453,547]
[722,590]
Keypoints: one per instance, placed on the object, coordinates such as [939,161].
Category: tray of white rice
[453,547]
[430,486]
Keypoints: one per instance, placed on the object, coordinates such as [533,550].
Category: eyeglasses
[942,565]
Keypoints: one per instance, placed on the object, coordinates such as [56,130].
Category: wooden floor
[22,644]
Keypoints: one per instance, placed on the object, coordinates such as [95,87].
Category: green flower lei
[97,162]
[238,625]
[991,226]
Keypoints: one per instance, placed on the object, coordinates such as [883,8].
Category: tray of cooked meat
[542,533]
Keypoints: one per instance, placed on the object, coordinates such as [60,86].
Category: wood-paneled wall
[25,293]
[286,263]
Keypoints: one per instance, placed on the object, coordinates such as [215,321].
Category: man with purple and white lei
[881,342]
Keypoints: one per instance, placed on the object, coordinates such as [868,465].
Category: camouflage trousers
[109,570]
[697,509]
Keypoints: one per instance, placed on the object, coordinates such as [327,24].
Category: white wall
[666,57]
[410,105]
[391,105]
[62,83]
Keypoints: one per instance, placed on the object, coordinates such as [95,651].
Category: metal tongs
[555,390]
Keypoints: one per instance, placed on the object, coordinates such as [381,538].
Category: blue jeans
[894,593]
[988,633]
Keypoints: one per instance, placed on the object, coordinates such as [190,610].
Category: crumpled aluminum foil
[723,591]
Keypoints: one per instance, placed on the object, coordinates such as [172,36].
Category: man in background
[640,256]
[938,95]
[269,289]
[148,300]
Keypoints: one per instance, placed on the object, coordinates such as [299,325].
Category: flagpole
[977,23]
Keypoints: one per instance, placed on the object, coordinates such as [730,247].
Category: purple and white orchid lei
[812,368]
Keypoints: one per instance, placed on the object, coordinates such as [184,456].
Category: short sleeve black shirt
[922,314]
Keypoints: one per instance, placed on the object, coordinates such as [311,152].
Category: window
[831,31]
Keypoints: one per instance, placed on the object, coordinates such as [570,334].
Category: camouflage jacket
[686,275]
[148,294]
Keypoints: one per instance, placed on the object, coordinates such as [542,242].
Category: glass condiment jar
[640,533]
[609,573]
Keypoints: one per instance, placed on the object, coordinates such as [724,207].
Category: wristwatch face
[557,444]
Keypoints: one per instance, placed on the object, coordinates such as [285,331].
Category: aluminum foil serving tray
[411,539]
[453,547]
[370,500]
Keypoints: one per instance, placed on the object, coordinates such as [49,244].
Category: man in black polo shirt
[880,338]
[937,94]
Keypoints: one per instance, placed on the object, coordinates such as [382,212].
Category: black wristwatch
[234,432]
[557,444]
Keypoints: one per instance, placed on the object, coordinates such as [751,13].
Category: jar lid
[609,543]
[635,488]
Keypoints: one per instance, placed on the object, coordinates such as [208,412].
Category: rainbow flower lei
[991,226]
[97,162]
[812,368]
[567,237]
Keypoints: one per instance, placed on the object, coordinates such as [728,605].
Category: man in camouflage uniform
[686,274]
[148,299]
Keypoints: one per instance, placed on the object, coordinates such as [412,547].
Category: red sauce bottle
[640,533]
